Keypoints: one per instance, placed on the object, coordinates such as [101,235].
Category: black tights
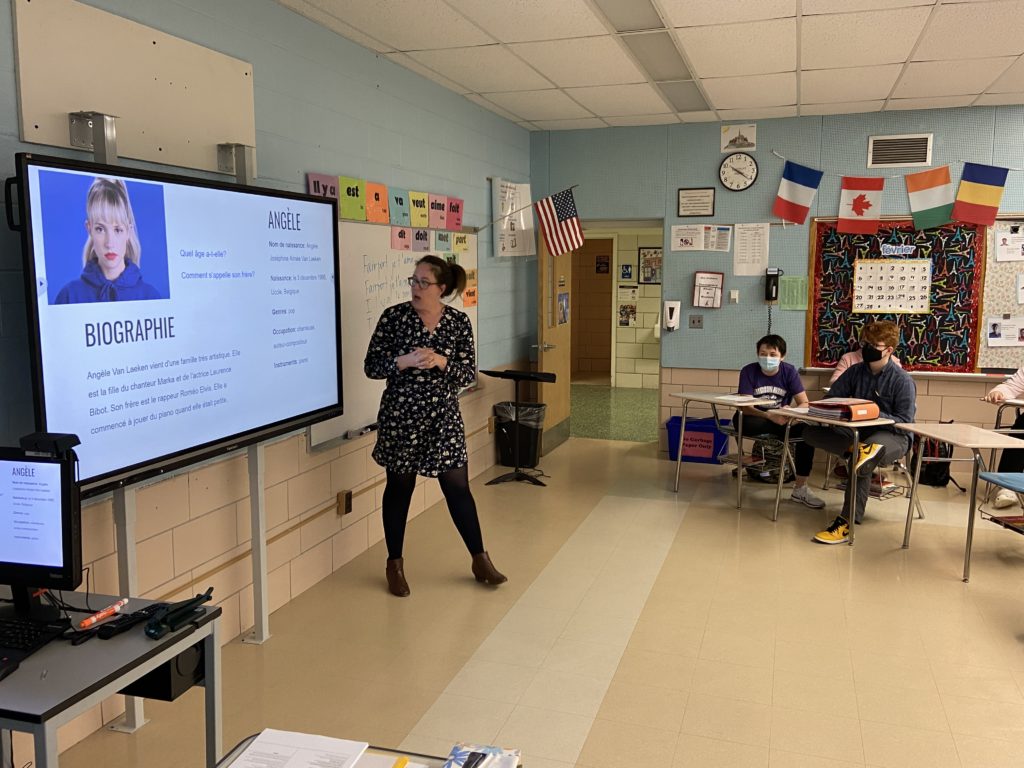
[454,486]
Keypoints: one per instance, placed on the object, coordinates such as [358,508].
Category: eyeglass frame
[412,281]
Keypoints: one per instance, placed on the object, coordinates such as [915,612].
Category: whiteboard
[371,277]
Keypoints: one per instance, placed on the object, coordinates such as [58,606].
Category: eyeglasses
[419,283]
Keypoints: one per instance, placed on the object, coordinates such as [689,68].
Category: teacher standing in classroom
[424,349]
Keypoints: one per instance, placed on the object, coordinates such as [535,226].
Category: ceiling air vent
[903,151]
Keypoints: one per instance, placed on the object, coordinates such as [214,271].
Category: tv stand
[518,377]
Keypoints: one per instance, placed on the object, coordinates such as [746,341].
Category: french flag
[796,192]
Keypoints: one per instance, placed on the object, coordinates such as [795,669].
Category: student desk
[800,414]
[961,436]
[715,399]
[61,681]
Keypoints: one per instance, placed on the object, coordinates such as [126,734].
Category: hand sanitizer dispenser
[670,317]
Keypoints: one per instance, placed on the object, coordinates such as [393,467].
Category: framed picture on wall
[696,201]
[650,265]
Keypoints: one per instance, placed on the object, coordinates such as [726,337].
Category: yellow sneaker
[838,532]
[868,451]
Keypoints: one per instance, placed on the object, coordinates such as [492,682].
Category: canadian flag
[860,205]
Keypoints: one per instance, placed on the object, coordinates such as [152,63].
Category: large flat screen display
[175,318]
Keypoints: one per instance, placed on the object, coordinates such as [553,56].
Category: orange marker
[110,610]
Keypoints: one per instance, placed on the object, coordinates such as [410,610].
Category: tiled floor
[640,627]
[614,413]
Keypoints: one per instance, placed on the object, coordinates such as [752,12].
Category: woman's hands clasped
[421,358]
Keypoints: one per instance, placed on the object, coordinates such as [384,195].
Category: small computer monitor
[40,528]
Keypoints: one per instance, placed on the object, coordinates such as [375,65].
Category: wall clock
[738,171]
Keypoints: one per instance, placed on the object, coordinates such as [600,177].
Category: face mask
[769,364]
[871,354]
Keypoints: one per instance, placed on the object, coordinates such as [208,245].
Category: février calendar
[897,286]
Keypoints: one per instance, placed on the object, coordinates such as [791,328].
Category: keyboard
[20,638]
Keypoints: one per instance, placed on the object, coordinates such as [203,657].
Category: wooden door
[554,341]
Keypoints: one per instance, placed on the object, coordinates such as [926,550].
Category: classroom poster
[460,242]
[717,237]
[513,227]
[352,198]
[1005,331]
[626,271]
[688,237]
[398,207]
[1009,242]
[454,219]
[421,240]
[793,292]
[627,315]
[419,215]
[322,185]
[751,255]
[602,264]
[563,308]
[438,214]
[401,239]
[650,265]
[443,241]
[377,203]
[469,294]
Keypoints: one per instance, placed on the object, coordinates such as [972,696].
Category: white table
[61,681]
[962,436]
[800,414]
[715,399]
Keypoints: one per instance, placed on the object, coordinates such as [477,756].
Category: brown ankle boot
[485,572]
[397,585]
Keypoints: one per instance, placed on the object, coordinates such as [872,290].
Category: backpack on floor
[935,473]
[768,452]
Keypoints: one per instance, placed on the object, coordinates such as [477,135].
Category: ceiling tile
[1011,80]
[756,48]
[856,39]
[937,102]
[484,69]
[753,113]
[539,105]
[408,62]
[436,24]
[968,31]
[995,99]
[488,104]
[584,61]
[704,116]
[684,96]
[815,7]
[844,108]
[630,120]
[820,86]
[516,21]
[693,13]
[325,19]
[657,53]
[640,99]
[945,78]
[570,125]
[754,91]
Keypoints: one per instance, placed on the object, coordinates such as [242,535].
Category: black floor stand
[518,377]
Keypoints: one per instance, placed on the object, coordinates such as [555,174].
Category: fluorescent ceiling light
[658,55]
[683,96]
[630,15]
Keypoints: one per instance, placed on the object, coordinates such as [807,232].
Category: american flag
[559,222]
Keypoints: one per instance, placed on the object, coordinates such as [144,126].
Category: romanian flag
[981,189]
[860,205]
[931,197]
[796,192]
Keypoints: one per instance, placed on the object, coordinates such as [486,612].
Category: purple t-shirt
[781,387]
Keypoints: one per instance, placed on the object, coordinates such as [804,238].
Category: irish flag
[931,197]
[860,205]
[796,192]
[981,189]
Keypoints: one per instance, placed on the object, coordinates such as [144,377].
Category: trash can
[703,442]
[531,425]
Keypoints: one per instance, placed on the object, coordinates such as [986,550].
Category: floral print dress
[419,424]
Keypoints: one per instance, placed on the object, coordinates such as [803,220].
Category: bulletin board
[942,338]
[1001,295]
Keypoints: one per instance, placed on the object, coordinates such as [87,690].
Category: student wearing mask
[883,382]
[772,377]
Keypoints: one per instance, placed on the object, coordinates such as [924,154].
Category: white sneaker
[1005,498]
[803,495]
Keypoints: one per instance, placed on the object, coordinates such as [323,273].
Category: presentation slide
[30,513]
[172,316]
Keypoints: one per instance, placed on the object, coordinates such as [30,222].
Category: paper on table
[287,749]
